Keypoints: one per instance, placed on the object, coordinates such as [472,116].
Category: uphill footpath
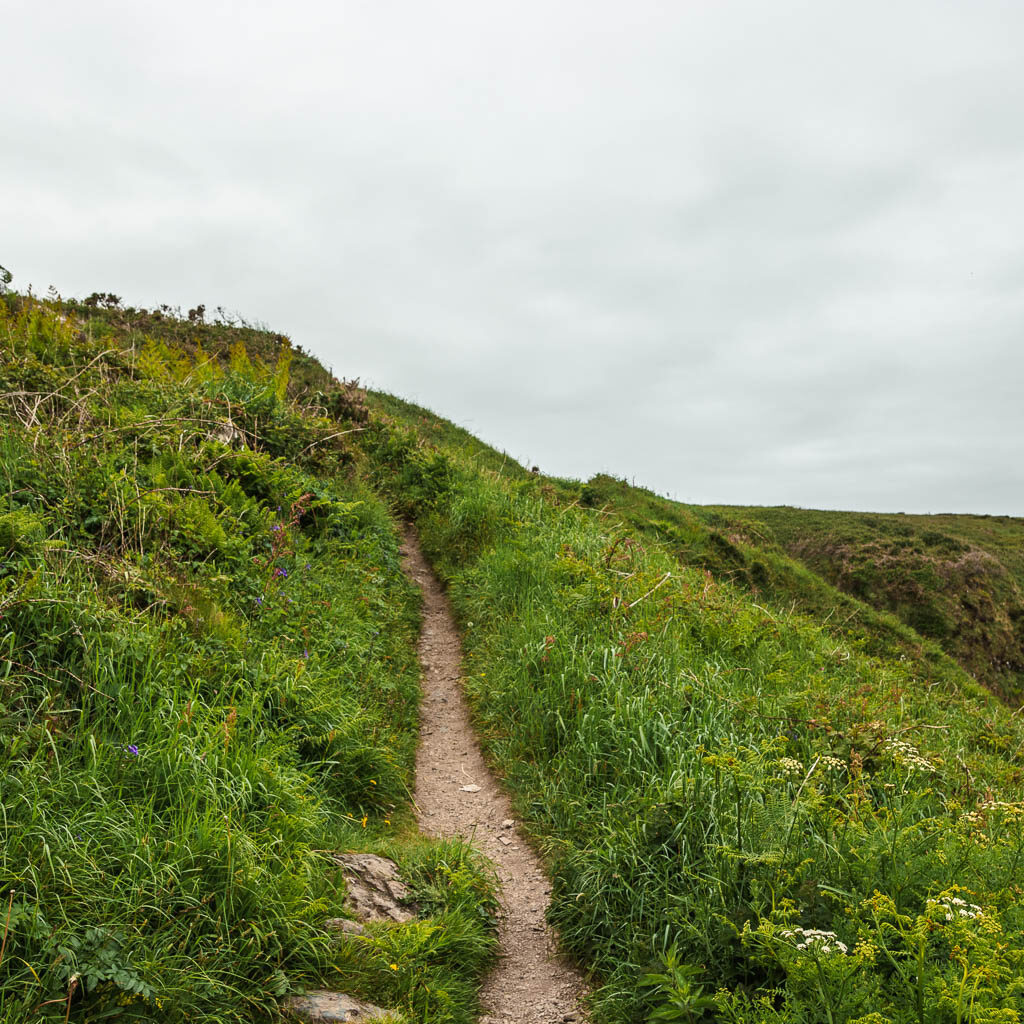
[456,795]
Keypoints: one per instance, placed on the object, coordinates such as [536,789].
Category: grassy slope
[705,770]
[438,432]
[207,684]
[956,579]
[709,772]
[738,546]
[734,544]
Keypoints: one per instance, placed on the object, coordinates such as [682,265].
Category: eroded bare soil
[531,983]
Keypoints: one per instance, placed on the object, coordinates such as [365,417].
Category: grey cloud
[742,252]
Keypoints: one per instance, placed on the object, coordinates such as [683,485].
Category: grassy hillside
[762,799]
[436,432]
[208,684]
[956,579]
[749,817]
[742,546]
[767,553]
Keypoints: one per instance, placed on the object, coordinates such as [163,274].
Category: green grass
[437,432]
[208,684]
[945,592]
[707,773]
[738,548]
[955,579]
[764,794]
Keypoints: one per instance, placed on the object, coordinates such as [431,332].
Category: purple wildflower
[305,653]
[281,573]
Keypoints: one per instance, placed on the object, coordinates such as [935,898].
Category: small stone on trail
[323,1007]
[508,823]
[504,841]
[472,788]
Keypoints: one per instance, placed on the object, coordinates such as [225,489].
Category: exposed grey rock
[228,433]
[375,892]
[321,1006]
[344,925]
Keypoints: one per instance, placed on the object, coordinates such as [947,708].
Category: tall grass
[736,805]
[208,684]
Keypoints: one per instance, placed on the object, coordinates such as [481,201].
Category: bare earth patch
[456,795]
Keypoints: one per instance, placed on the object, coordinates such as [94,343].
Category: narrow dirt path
[531,983]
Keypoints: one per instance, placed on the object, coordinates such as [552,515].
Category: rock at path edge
[323,1007]
[375,890]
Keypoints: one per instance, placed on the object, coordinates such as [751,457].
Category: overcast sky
[754,253]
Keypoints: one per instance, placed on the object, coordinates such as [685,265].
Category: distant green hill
[956,579]
[910,585]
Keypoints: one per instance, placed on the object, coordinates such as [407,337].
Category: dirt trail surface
[456,795]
